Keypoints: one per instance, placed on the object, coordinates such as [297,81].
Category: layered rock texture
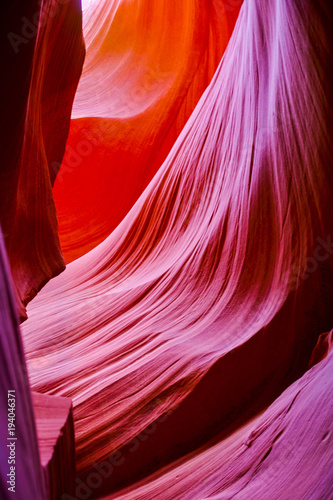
[147,65]
[192,325]
[20,464]
[42,52]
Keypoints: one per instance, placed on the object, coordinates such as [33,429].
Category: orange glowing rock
[147,65]
[218,280]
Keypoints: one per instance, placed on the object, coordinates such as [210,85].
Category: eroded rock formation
[20,467]
[196,190]
[42,51]
[146,67]
[226,254]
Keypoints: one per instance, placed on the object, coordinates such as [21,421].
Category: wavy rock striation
[42,50]
[147,65]
[208,298]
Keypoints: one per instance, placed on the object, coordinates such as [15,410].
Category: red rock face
[20,463]
[190,338]
[146,67]
[43,54]
[284,453]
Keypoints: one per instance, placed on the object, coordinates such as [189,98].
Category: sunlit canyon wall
[191,327]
